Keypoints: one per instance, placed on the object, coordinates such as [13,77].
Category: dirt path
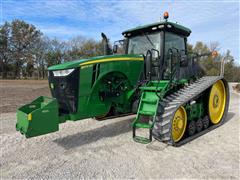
[14,93]
[92,149]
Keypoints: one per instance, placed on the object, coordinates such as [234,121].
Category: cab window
[173,41]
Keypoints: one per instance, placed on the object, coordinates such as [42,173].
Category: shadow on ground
[229,117]
[111,130]
[87,137]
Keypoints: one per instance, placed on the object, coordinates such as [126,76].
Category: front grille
[65,90]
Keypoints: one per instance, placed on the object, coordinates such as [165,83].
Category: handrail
[222,66]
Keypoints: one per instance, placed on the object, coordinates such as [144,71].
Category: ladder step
[148,113]
[143,125]
[148,100]
[151,88]
[142,140]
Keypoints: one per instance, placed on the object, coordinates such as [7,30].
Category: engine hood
[95,60]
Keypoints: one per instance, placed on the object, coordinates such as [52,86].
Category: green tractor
[154,77]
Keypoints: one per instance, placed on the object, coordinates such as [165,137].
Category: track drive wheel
[179,124]
[217,102]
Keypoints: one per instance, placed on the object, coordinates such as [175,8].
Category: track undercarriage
[173,122]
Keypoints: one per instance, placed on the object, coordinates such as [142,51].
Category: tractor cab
[164,46]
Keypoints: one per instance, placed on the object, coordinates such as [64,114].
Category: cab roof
[170,26]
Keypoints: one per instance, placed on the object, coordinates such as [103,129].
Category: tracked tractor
[154,76]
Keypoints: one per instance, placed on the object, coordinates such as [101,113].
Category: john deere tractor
[154,76]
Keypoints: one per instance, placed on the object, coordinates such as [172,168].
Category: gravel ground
[105,149]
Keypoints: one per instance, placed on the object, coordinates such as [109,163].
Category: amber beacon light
[165,15]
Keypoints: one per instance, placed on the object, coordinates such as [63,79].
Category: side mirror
[183,61]
[115,48]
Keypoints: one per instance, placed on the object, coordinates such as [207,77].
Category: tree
[75,48]
[229,66]
[189,48]
[30,67]
[41,48]
[91,48]
[5,51]
[23,38]
[212,66]
[81,47]
[56,53]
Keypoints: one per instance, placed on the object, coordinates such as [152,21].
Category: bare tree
[57,52]
[41,47]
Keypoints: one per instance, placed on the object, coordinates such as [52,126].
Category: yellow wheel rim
[179,124]
[217,101]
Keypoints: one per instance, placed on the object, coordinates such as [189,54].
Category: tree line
[25,52]
[211,65]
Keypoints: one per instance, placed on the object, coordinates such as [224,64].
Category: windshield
[140,44]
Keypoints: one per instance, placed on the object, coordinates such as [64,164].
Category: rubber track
[169,105]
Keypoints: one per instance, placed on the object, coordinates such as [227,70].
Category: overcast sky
[210,21]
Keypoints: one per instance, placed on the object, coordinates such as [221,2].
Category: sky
[210,21]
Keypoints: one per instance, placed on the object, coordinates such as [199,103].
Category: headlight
[64,72]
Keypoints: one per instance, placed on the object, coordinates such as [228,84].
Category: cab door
[175,47]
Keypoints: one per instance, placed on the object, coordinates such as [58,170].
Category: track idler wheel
[191,128]
[217,102]
[179,124]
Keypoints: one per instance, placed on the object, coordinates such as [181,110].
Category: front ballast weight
[38,118]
